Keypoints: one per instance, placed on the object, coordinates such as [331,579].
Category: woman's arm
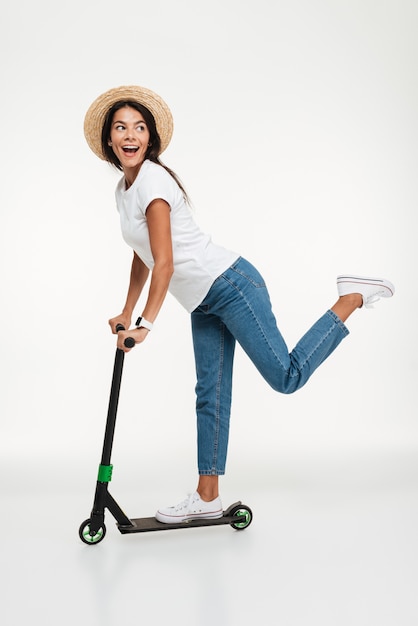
[159,228]
[138,278]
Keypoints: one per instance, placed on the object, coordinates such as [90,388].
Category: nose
[128,133]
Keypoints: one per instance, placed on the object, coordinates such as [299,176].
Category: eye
[119,127]
[140,127]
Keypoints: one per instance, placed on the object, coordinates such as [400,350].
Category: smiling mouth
[130,149]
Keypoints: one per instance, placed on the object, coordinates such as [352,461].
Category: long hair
[153,149]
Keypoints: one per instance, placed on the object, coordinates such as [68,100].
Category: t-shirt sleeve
[157,184]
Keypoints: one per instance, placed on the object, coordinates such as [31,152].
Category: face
[129,138]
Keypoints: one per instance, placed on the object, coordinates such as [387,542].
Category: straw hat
[96,114]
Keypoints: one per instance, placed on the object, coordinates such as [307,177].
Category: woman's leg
[346,305]
[214,348]
[208,487]
[240,299]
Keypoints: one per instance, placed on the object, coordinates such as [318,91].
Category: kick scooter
[93,529]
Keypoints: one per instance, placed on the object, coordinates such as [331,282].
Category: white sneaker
[371,289]
[192,507]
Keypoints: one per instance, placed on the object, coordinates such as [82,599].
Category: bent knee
[288,386]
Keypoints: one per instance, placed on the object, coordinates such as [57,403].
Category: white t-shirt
[197,260]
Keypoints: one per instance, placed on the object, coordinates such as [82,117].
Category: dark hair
[154,147]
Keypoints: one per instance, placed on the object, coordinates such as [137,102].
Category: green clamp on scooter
[93,530]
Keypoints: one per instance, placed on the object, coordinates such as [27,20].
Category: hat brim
[96,114]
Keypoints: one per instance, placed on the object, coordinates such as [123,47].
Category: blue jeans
[238,308]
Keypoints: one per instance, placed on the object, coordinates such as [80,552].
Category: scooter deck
[149,524]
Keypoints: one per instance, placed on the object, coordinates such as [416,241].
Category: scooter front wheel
[88,537]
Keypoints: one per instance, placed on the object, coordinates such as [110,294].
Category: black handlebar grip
[129,341]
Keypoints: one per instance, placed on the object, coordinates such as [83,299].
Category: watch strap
[141,322]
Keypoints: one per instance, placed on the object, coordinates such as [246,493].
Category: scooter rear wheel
[87,537]
[243,512]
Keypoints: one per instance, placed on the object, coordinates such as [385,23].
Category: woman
[226,296]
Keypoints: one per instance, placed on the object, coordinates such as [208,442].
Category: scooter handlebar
[129,341]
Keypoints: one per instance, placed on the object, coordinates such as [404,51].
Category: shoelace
[187,503]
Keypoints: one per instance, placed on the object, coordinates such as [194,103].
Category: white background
[296,138]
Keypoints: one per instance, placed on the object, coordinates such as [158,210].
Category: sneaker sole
[170,519]
[376,282]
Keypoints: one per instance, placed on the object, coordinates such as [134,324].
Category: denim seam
[312,352]
[218,400]
[338,322]
[338,325]
[250,280]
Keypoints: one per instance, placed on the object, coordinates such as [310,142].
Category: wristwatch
[141,322]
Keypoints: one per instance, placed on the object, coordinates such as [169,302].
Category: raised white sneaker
[371,289]
[192,507]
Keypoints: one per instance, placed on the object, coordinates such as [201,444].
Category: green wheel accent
[86,536]
[105,473]
[246,515]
